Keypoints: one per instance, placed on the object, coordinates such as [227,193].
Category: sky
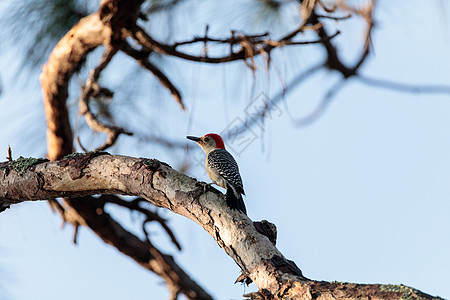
[360,195]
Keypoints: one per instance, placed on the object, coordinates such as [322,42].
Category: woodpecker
[222,169]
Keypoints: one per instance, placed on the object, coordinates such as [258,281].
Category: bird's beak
[195,139]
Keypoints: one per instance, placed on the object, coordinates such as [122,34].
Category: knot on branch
[152,164]
[287,266]
[267,229]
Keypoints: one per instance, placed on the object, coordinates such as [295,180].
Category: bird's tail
[233,201]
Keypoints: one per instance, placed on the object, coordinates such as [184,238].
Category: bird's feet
[207,185]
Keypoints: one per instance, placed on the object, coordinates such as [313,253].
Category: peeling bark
[256,255]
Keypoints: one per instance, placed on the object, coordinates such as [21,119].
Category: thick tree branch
[157,182]
[65,59]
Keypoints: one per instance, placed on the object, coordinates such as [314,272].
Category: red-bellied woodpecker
[222,169]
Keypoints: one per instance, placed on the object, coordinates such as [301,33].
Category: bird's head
[208,142]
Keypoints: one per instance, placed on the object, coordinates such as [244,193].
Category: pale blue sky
[362,195]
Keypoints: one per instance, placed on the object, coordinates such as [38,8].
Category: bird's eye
[206,139]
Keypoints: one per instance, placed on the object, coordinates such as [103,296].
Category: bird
[222,168]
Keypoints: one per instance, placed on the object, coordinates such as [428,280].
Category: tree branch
[404,87]
[235,233]
[251,45]
[143,58]
[134,206]
[65,59]
[93,88]
[143,252]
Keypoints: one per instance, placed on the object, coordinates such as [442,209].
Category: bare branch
[276,276]
[150,216]
[92,87]
[58,208]
[145,254]
[404,87]
[81,145]
[149,138]
[143,59]
[367,14]
[329,10]
[233,40]
[157,6]
[9,154]
[251,45]
[65,59]
[334,17]
[322,107]
[334,61]
[263,111]
[75,233]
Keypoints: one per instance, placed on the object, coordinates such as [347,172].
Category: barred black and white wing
[224,164]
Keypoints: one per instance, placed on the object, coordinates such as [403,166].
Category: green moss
[97,152]
[152,163]
[22,164]
[408,293]
[72,155]
[90,153]
[338,282]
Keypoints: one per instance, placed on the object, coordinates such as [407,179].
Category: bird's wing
[224,163]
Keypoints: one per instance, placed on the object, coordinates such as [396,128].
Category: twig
[404,87]
[145,137]
[142,58]
[233,39]
[148,42]
[157,6]
[9,154]
[75,232]
[334,61]
[174,293]
[322,107]
[93,88]
[335,18]
[327,9]
[81,145]
[288,43]
[368,16]
[250,45]
[151,216]
[55,206]
[146,234]
[252,120]
[205,41]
